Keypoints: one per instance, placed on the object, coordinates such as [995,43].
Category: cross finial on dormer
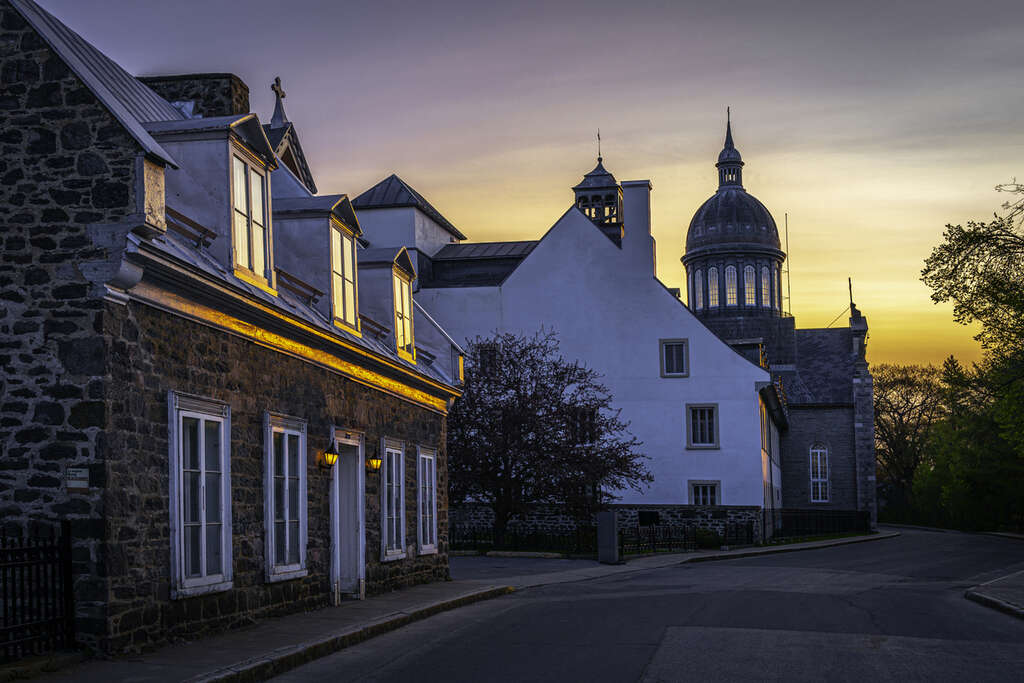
[279,118]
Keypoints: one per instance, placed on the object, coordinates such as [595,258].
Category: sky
[871,124]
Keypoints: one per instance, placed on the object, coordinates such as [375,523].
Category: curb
[287,658]
[792,549]
[994,603]
[38,666]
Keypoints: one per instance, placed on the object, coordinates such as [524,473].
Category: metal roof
[393,192]
[599,178]
[131,102]
[480,250]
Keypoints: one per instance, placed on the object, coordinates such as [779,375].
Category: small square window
[704,493]
[675,358]
[702,426]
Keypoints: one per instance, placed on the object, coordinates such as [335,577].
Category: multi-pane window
[583,425]
[403,314]
[778,288]
[249,217]
[749,286]
[730,285]
[698,290]
[393,503]
[704,494]
[674,358]
[702,427]
[427,500]
[200,495]
[713,287]
[487,358]
[285,488]
[819,474]
[343,276]
[766,288]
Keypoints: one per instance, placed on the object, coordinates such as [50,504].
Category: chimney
[210,94]
[637,243]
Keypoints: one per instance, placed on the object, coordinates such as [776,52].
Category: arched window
[819,474]
[749,286]
[698,292]
[778,288]
[730,285]
[766,288]
[713,287]
[690,301]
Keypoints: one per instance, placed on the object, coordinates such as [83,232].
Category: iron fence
[581,541]
[656,539]
[36,599]
[798,523]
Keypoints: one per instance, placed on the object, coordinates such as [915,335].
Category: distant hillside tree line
[950,440]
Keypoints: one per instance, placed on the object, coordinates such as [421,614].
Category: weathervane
[599,145]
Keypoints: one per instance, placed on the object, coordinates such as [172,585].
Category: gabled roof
[393,192]
[397,256]
[245,126]
[336,205]
[130,102]
[285,141]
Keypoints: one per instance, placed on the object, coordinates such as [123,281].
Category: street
[886,610]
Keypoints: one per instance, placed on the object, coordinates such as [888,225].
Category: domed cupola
[733,255]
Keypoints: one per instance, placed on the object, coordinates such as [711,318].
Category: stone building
[189,338]
[733,265]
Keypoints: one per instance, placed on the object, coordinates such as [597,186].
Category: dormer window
[249,219]
[343,277]
[403,316]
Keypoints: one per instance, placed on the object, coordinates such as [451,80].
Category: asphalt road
[891,610]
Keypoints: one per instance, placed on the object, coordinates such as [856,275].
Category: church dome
[732,219]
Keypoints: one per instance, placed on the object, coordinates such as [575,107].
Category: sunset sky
[873,124]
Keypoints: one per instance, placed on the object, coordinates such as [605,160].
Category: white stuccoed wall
[610,312]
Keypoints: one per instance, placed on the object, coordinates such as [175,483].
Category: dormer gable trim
[397,259]
[244,130]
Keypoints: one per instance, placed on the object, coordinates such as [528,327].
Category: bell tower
[599,196]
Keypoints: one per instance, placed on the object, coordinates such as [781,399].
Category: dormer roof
[336,206]
[246,127]
[285,141]
[393,192]
[124,96]
[395,256]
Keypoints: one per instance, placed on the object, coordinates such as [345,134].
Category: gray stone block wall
[67,170]
[832,426]
[213,94]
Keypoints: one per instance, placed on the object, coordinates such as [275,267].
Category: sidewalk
[1005,594]
[279,644]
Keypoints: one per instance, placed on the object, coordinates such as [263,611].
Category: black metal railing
[660,538]
[581,541]
[796,523]
[36,598]
[739,533]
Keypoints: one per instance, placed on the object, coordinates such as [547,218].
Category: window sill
[405,355]
[428,550]
[286,575]
[392,556]
[341,325]
[192,591]
[700,447]
[247,276]
[675,375]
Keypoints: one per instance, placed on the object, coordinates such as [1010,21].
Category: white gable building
[698,406]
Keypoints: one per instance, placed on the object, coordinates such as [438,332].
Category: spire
[730,163]
[279,118]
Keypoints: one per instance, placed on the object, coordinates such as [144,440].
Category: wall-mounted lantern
[329,457]
[373,461]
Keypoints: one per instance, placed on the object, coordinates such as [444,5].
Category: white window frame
[662,343]
[180,406]
[713,291]
[749,286]
[265,278]
[426,458]
[690,445]
[693,484]
[825,482]
[346,242]
[276,423]
[390,448]
[402,292]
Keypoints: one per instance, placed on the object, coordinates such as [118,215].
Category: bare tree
[533,427]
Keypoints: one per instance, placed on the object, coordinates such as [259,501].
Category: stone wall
[833,427]
[147,359]
[67,180]
[552,518]
[213,94]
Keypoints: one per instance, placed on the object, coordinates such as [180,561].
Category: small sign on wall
[77,478]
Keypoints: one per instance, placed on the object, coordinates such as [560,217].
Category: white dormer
[223,185]
[386,276]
